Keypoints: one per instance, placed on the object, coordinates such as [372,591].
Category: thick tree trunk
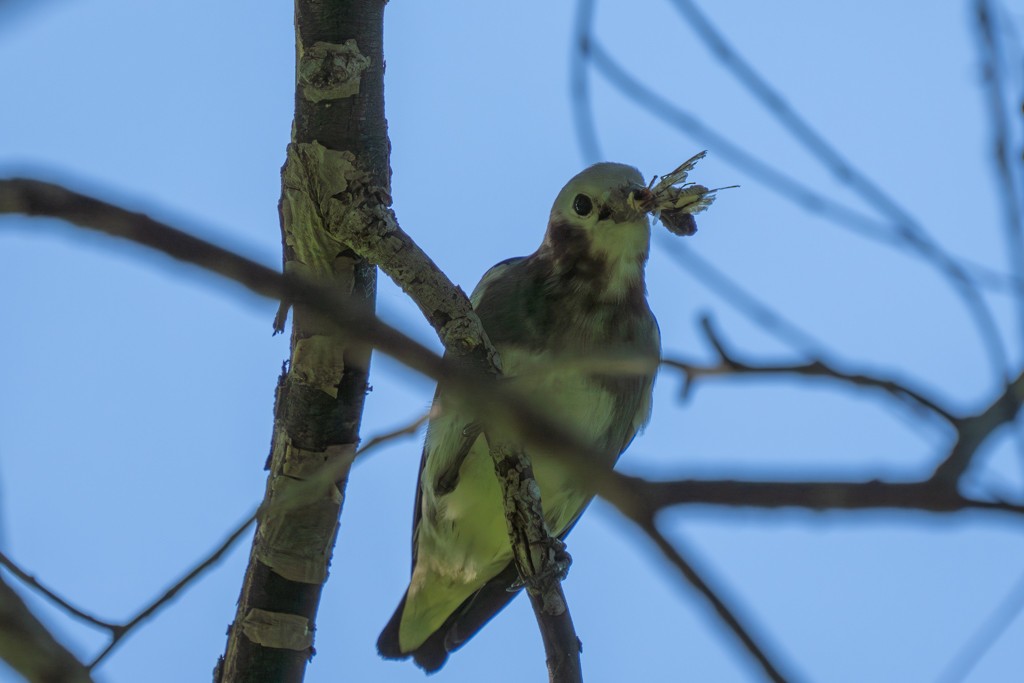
[339,104]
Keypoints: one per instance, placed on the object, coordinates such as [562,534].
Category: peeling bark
[336,171]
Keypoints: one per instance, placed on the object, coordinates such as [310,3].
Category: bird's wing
[432,654]
[449,476]
[492,274]
[632,410]
[473,614]
[633,407]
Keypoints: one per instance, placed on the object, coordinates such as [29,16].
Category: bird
[580,295]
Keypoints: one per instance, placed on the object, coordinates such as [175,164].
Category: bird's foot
[558,562]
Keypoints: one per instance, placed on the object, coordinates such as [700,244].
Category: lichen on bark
[331,71]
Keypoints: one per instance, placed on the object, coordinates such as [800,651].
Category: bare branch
[742,300]
[633,497]
[405,430]
[910,232]
[30,649]
[467,375]
[730,365]
[801,194]
[1008,192]
[725,613]
[579,77]
[121,631]
[975,430]
[36,585]
[809,199]
[540,559]
[38,198]
[929,496]
[801,130]
[1004,614]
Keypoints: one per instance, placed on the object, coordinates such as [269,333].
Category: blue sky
[136,406]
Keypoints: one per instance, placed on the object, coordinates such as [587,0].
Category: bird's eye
[582,205]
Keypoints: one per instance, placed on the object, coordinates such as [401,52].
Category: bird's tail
[430,656]
[462,625]
[387,643]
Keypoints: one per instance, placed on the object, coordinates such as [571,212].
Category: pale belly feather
[462,538]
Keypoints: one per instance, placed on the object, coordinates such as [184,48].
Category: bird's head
[594,227]
[598,197]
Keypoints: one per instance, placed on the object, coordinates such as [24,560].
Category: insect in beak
[674,201]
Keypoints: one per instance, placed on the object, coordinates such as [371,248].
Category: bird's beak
[625,207]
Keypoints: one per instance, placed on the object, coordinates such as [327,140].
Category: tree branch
[450,313]
[540,559]
[931,495]
[730,365]
[36,585]
[633,497]
[1008,191]
[743,301]
[975,430]
[904,233]
[718,604]
[339,149]
[30,649]
[145,613]
[910,233]
[987,635]
[582,109]
[495,404]
[790,188]
[454,324]
[119,631]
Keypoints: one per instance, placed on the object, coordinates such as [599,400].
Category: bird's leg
[558,566]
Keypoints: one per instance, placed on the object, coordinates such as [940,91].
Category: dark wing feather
[478,609]
[482,606]
[387,642]
[432,654]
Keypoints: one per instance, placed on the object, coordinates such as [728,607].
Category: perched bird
[580,295]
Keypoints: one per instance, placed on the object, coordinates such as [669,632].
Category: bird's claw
[556,567]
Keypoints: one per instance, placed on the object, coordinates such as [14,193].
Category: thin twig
[729,365]
[38,198]
[338,460]
[725,613]
[991,279]
[819,496]
[810,199]
[579,79]
[910,232]
[409,429]
[589,51]
[801,194]
[801,130]
[121,631]
[468,375]
[737,296]
[1004,614]
[975,430]
[1008,191]
[30,580]
[632,497]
